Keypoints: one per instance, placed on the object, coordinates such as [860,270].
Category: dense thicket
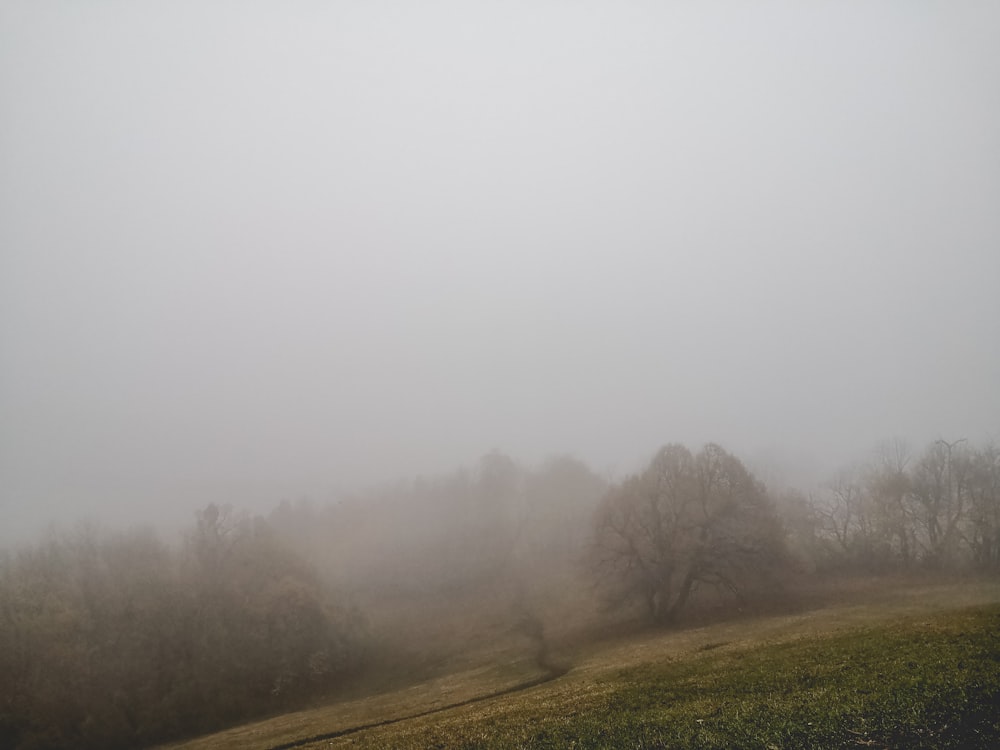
[117,640]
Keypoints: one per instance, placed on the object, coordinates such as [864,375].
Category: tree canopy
[687,520]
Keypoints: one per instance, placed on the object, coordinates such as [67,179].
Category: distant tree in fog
[559,501]
[688,520]
[850,525]
[941,511]
[888,484]
[939,489]
[981,532]
[117,641]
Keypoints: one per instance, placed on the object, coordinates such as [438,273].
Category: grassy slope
[916,666]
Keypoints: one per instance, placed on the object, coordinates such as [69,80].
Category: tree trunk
[682,596]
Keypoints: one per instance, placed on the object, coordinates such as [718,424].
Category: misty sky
[252,251]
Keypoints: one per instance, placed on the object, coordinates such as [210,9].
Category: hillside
[898,665]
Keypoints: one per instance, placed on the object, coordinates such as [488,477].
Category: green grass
[916,667]
[928,684]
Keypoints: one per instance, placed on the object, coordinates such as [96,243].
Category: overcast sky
[252,251]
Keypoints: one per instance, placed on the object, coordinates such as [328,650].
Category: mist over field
[349,348]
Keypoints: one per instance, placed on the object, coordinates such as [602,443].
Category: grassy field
[911,666]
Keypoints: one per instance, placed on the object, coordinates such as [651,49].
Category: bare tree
[687,520]
[841,508]
[938,492]
[982,524]
[888,486]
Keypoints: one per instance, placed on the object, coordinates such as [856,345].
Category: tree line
[119,640]
[936,510]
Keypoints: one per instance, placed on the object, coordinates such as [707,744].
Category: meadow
[889,665]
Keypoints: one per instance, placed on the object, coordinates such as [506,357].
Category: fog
[252,252]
